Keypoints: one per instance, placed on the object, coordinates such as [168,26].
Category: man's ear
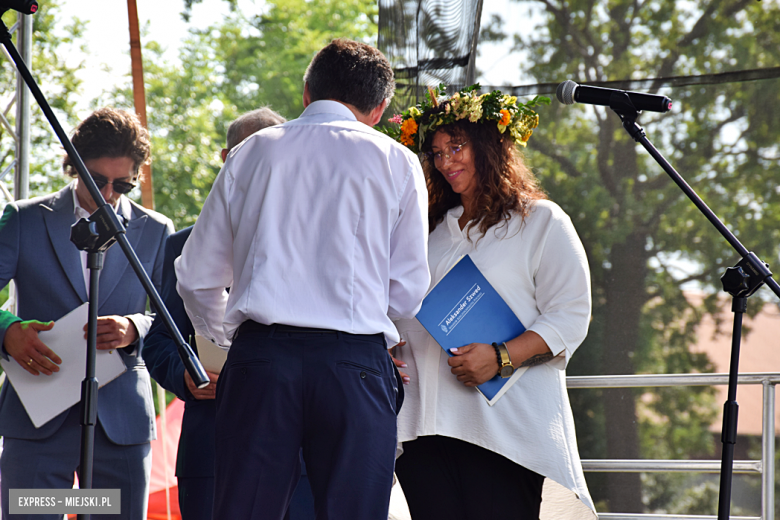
[376,115]
[306,95]
[225,151]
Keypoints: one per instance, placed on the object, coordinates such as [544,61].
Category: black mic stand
[739,281]
[96,235]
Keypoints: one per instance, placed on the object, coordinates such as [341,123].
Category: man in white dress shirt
[319,228]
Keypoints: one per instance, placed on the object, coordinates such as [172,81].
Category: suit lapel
[115,262]
[58,217]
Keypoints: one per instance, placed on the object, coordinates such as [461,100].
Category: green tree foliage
[187,121]
[223,71]
[59,84]
[262,60]
[56,78]
[636,223]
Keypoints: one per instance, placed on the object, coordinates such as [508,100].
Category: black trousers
[443,477]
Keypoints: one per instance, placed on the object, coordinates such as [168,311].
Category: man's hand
[474,364]
[208,392]
[114,332]
[22,343]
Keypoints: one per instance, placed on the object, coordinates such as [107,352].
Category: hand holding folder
[463,308]
[45,397]
[473,364]
[211,356]
[24,345]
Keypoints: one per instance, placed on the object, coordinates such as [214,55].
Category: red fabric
[164,464]
[158,507]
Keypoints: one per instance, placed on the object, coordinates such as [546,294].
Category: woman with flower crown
[460,457]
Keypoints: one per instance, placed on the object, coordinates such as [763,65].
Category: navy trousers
[196,499]
[52,462]
[333,394]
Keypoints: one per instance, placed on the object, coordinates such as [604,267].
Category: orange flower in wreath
[408,131]
[505,117]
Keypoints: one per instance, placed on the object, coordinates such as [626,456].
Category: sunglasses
[120,187]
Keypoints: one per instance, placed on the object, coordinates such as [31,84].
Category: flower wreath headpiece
[419,122]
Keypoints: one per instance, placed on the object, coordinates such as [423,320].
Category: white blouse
[540,269]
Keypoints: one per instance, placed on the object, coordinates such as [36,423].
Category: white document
[211,356]
[45,397]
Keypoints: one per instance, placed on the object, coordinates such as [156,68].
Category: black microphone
[569,92]
[23,6]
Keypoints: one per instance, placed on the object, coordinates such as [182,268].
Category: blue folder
[464,308]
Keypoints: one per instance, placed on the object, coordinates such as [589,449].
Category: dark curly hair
[108,132]
[504,182]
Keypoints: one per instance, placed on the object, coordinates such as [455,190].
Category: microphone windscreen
[565,92]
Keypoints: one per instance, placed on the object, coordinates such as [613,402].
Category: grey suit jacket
[36,252]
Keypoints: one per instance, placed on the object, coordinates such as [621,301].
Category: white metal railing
[765,467]
[618,516]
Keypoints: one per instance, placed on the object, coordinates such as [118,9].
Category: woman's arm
[477,362]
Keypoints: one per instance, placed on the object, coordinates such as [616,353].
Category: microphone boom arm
[740,281]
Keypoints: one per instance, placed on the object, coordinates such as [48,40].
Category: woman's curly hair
[504,182]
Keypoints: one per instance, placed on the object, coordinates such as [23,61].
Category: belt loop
[272,330]
[338,335]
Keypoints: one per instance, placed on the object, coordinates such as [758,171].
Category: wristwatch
[505,368]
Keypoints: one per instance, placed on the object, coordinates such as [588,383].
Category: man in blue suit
[195,458]
[51,280]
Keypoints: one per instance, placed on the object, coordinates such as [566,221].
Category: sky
[108,61]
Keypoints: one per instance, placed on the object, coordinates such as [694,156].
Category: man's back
[338,207]
[319,228]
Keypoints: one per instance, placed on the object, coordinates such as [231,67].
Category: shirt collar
[452,221]
[327,106]
[455,212]
[77,209]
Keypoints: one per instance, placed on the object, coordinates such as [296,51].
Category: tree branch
[562,17]
[547,149]
[605,148]
[659,211]
[736,115]
[693,278]
[699,29]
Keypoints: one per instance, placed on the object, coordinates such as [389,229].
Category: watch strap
[505,350]
[504,361]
